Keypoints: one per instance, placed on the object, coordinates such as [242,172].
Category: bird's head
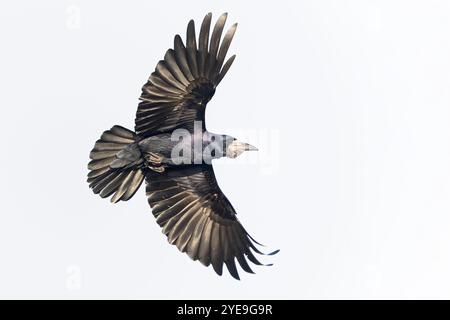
[236,148]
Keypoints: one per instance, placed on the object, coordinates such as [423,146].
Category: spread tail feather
[116,165]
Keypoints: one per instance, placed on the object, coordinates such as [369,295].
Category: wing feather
[177,92]
[215,41]
[180,54]
[203,251]
[194,242]
[203,44]
[225,46]
[172,64]
[197,217]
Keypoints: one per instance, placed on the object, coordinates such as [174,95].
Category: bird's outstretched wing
[177,92]
[197,217]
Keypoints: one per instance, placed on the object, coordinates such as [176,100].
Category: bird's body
[192,149]
[173,151]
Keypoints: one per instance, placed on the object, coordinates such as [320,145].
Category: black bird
[172,150]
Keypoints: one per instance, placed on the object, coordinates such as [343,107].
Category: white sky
[354,95]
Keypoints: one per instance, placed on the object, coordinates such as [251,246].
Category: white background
[356,91]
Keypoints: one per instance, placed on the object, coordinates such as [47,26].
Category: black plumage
[185,198]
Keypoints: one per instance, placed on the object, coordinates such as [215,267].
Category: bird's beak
[236,148]
[249,147]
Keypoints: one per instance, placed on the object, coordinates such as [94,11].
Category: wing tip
[273,252]
[191,24]
[218,268]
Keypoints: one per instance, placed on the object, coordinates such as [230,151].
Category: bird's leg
[154,162]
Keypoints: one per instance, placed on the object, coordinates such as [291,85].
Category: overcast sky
[348,102]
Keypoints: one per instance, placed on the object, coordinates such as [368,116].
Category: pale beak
[249,147]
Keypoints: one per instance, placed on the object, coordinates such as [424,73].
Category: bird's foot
[159,169]
[153,158]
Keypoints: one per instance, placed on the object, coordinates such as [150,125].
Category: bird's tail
[116,164]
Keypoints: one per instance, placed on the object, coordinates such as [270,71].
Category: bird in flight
[172,150]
